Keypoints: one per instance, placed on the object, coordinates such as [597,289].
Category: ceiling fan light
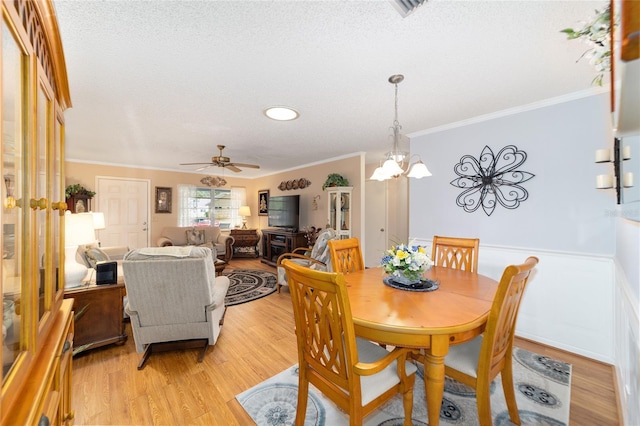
[419,170]
[281,113]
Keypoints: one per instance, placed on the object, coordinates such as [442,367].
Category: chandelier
[395,160]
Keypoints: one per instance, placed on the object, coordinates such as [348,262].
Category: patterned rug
[248,284]
[543,387]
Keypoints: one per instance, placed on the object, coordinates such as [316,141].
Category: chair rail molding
[549,313]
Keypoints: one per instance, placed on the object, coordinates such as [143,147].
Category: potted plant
[78,198]
[77,189]
[335,179]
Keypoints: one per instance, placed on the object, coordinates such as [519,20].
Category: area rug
[543,387]
[249,284]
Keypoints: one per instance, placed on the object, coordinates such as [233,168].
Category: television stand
[276,241]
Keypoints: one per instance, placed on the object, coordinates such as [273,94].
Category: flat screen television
[284,212]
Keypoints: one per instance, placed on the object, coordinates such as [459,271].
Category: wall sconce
[314,203]
[617,180]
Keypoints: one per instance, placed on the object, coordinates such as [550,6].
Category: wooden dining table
[454,313]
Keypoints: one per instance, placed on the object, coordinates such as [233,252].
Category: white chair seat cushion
[373,386]
[464,357]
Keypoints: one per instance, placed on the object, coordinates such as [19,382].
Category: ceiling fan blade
[232,167]
[193,164]
[251,166]
[203,167]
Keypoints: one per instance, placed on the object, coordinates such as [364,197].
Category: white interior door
[125,204]
[376,226]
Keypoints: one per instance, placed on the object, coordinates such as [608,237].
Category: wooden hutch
[37,327]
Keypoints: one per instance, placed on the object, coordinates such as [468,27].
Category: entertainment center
[282,236]
[276,241]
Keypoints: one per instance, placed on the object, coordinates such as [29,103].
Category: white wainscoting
[568,302]
[627,324]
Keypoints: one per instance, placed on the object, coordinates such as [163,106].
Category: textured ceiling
[158,83]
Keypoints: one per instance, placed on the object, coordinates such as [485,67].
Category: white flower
[408,260]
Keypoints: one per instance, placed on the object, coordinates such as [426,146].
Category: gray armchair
[173,296]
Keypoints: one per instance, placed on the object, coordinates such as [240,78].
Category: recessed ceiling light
[281,113]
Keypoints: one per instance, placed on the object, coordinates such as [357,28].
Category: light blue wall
[564,211]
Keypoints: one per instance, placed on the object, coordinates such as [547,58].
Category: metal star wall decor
[491,180]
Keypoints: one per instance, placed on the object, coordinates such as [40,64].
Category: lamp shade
[391,168]
[244,211]
[378,174]
[419,170]
[78,229]
[98,221]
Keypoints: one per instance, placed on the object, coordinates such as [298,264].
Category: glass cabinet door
[333,196]
[14,71]
[57,199]
[340,210]
[39,202]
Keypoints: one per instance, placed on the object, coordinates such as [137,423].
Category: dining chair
[477,362]
[456,253]
[356,374]
[346,255]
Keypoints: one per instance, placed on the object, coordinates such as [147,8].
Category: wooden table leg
[434,377]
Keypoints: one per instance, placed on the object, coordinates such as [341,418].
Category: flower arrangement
[408,261]
[597,33]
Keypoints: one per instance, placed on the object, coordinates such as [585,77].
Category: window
[210,206]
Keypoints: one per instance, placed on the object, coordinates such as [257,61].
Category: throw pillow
[95,255]
[195,237]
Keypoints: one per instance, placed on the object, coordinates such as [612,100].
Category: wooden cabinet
[245,242]
[275,242]
[37,326]
[339,209]
[79,204]
[99,315]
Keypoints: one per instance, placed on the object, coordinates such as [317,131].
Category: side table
[99,310]
[245,242]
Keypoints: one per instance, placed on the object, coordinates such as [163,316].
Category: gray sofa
[90,254]
[198,235]
[173,295]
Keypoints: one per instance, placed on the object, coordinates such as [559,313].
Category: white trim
[570,302]
[128,166]
[515,110]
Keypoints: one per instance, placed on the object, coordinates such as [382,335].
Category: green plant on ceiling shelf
[597,33]
[335,179]
[77,189]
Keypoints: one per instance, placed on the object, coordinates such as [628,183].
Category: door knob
[381,229]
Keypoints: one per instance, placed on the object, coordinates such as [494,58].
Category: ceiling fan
[222,161]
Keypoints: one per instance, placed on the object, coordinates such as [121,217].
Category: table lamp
[98,223]
[245,212]
[78,229]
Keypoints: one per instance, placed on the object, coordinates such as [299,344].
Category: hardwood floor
[257,342]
